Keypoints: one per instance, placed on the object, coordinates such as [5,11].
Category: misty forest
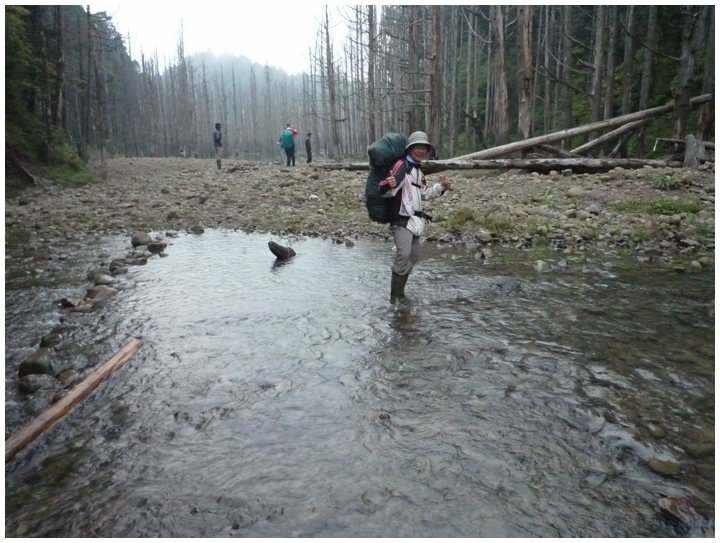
[473,77]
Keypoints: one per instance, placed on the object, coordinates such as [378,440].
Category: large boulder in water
[140,238]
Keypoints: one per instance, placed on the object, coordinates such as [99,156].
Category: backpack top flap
[385,151]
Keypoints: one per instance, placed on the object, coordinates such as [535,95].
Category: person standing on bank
[308,148]
[287,142]
[217,142]
[406,186]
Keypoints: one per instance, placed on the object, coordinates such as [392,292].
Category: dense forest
[471,76]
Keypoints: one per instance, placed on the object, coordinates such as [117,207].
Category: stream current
[292,400]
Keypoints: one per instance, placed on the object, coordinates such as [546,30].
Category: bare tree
[525,71]
[436,83]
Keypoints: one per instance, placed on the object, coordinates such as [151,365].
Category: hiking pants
[290,154]
[309,155]
[408,250]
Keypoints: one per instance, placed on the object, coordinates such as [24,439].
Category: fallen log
[611,136]
[26,435]
[579,131]
[280,252]
[540,165]
[706,144]
[562,153]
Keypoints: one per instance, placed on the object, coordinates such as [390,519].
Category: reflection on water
[294,401]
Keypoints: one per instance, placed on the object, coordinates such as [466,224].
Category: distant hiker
[217,142]
[308,148]
[405,185]
[287,142]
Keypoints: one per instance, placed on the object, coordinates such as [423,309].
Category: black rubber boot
[397,288]
[403,281]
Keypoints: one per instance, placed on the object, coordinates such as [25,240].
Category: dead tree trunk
[694,152]
[435,83]
[525,72]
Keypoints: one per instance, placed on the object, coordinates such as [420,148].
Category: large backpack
[384,155]
[286,139]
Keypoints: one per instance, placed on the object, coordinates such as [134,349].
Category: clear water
[292,400]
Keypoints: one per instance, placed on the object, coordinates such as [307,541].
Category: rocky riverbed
[656,214]
[649,216]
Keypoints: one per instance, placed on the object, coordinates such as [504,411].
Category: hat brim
[427,144]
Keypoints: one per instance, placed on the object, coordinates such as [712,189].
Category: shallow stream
[293,400]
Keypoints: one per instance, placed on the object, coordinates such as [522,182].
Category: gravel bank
[622,210]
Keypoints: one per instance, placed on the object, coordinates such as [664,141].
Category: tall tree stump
[694,152]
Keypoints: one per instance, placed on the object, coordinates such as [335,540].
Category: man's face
[419,152]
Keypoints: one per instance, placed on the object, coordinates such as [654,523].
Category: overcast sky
[263,31]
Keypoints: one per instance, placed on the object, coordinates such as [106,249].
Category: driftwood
[540,165]
[26,435]
[579,131]
[280,252]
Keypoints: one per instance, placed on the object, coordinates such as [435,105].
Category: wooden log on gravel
[26,435]
[280,252]
[540,165]
[580,130]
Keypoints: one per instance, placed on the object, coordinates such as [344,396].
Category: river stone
[582,214]
[116,263]
[541,266]
[120,270]
[156,247]
[40,362]
[574,192]
[37,405]
[483,236]
[696,450]
[196,229]
[689,242]
[100,292]
[594,209]
[50,340]
[103,279]
[68,377]
[92,274]
[140,238]
[29,384]
[667,468]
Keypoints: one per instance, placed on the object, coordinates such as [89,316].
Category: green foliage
[665,182]
[662,206]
